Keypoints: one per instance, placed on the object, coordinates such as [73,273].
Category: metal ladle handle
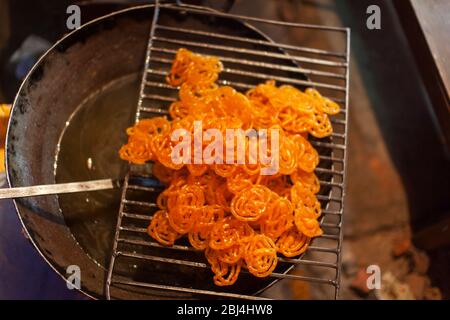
[71,187]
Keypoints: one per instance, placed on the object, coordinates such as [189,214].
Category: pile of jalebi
[242,219]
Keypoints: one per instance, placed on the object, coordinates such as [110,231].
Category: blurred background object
[4,116]
[397,213]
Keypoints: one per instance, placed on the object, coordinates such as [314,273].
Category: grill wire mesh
[139,263]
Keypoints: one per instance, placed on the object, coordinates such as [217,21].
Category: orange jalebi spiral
[228,232]
[321,126]
[241,180]
[305,200]
[324,104]
[278,184]
[307,179]
[288,156]
[184,206]
[161,230]
[251,203]
[261,255]
[239,217]
[205,220]
[309,159]
[189,68]
[292,243]
[307,224]
[225,274]
[232,254]
[278,219]
[137,150]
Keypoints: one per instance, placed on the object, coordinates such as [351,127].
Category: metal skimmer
[140,264]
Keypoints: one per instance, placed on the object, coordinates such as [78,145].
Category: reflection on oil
[88,150]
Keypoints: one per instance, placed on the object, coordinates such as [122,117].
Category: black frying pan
[67,123]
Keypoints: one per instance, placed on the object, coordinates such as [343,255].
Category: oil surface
[88,150]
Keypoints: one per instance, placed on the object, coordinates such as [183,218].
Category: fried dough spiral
[237,216]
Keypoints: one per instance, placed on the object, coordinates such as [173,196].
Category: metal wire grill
[248,59]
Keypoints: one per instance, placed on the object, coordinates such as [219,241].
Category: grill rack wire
[324,69]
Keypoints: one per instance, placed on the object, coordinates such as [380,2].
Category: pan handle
[40,190]
[71,187]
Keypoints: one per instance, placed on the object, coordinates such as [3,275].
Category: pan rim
[15,106]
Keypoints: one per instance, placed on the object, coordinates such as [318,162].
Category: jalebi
[238,216]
